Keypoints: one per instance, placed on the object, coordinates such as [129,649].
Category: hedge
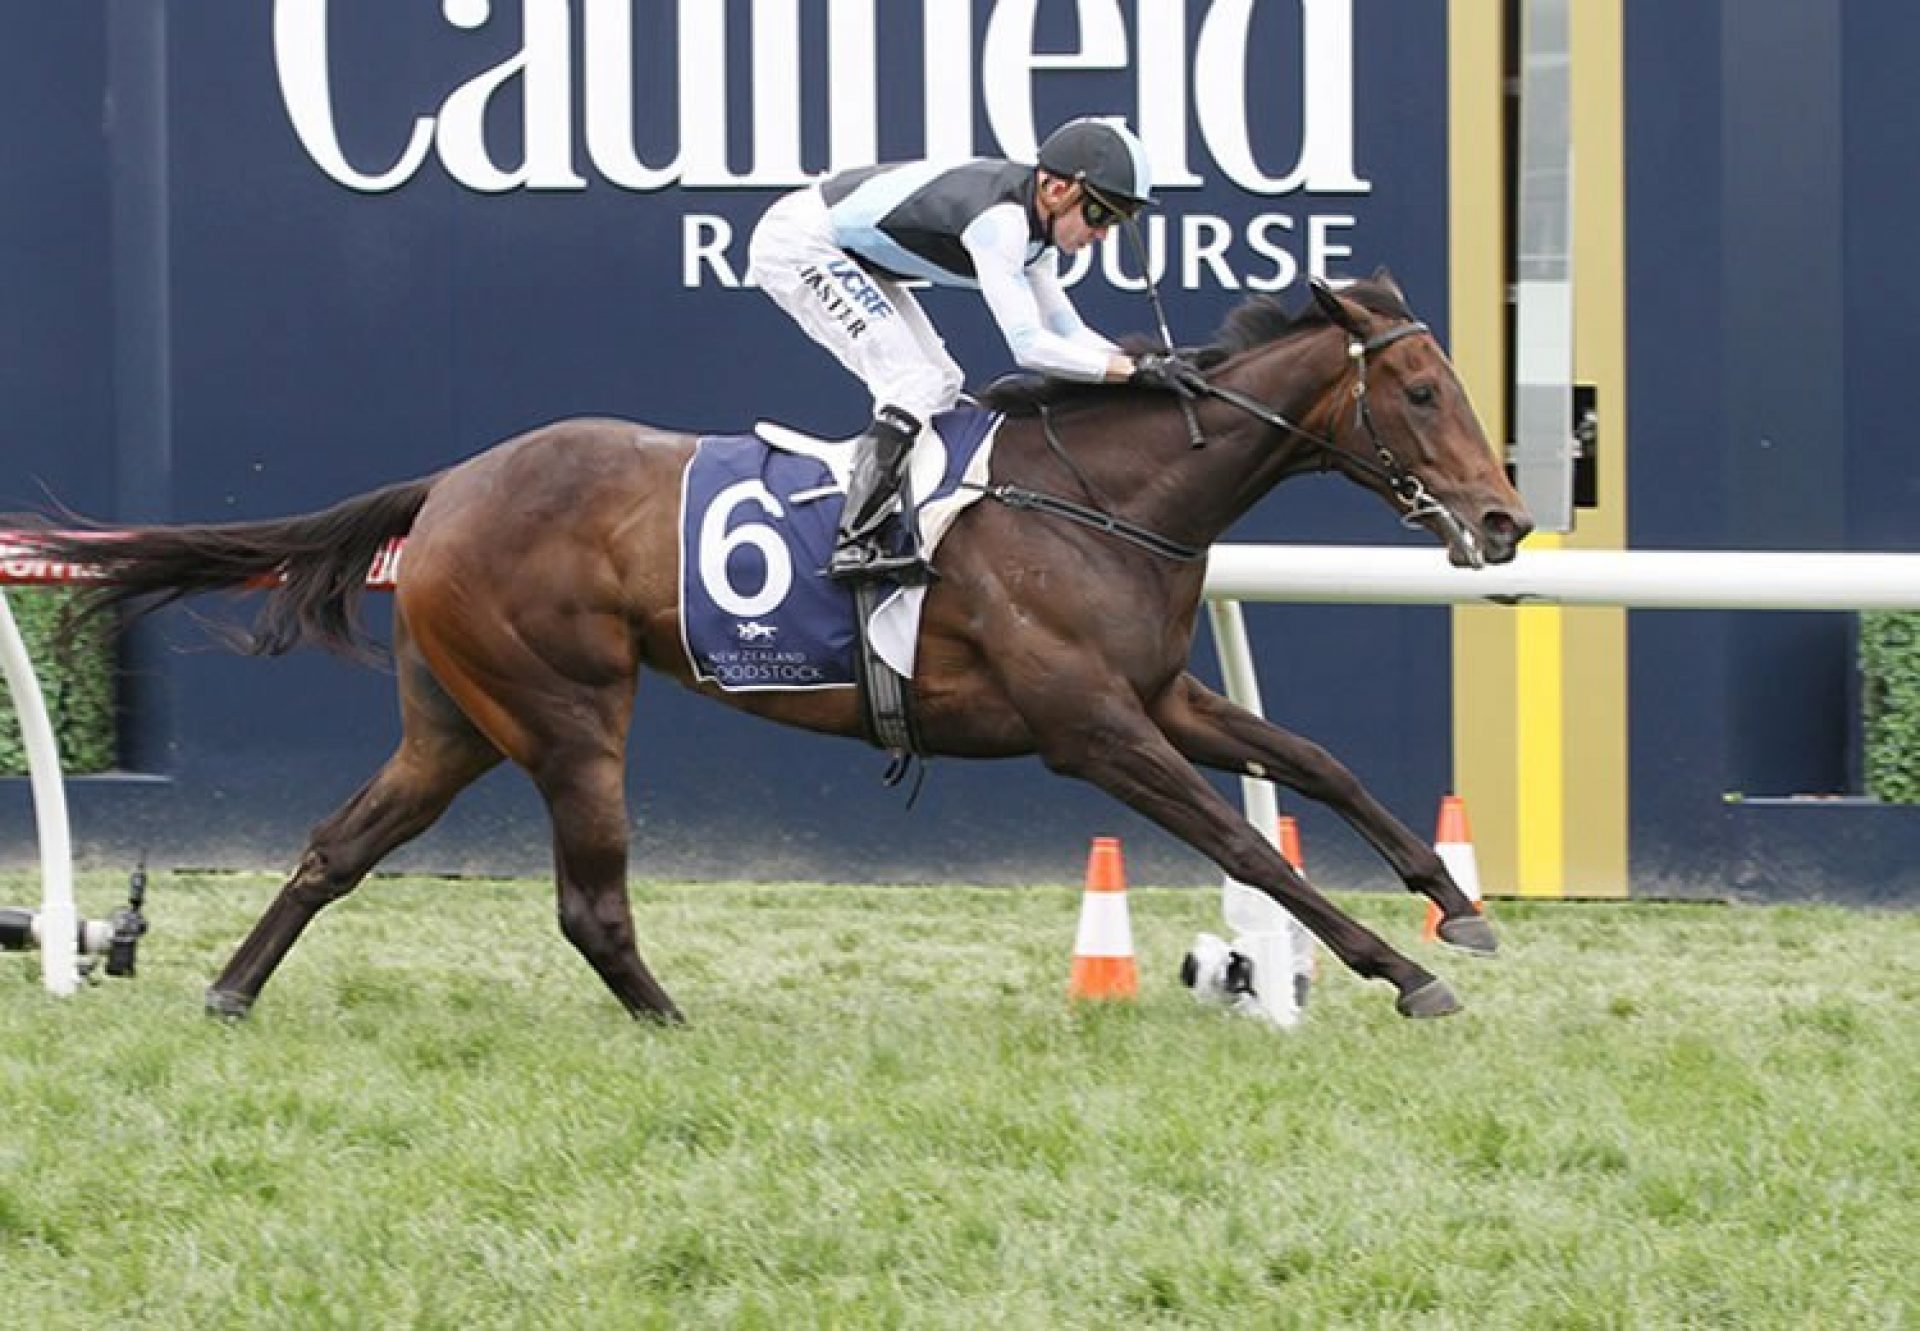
[76,677]
[1890,704]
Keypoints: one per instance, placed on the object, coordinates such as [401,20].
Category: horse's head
[1402,425]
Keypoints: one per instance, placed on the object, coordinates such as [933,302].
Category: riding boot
[880,460]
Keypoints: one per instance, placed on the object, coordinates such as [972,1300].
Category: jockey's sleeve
[1056,310]
[997,241]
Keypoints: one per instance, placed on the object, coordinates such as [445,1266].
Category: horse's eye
[1421,395]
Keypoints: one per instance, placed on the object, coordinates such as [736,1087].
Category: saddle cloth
[758,513]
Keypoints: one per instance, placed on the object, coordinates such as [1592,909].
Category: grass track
[885,1114]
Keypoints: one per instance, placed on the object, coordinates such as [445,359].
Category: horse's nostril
[1502,531]
[1503,526]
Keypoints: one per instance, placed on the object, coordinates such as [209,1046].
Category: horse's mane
[1254,322]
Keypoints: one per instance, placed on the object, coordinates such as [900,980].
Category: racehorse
[543,573]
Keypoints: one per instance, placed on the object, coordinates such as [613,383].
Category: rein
[1097,515]
[1098,519]
[1384,466]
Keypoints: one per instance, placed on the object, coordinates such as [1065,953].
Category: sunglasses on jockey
[1102,211]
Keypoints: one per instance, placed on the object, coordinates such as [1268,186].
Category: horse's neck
[1202,492]
[1137,458]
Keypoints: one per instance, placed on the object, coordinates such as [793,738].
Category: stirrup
[865,563]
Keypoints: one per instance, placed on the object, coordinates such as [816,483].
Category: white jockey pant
[871,324]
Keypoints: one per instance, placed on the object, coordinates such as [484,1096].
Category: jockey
[836,256]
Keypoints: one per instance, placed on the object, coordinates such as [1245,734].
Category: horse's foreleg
[1119,749]
[1217,733]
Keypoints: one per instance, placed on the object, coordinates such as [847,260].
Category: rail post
[59,958]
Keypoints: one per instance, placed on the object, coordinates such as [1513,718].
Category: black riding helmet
[1104,156]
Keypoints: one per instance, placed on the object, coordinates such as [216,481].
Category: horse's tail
[313,567]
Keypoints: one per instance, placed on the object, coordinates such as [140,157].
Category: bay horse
[541,575]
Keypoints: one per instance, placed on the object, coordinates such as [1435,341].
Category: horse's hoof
[668,1016]
[1471,934]
[231,1006]
[1432,999]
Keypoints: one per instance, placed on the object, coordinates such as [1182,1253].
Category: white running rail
[1635,579]
[59,960]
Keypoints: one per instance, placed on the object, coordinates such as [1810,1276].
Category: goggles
[1102,212]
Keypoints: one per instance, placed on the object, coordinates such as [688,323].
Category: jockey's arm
[997,242]
[1056,308]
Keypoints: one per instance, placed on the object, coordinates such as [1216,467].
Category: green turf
[886,1114]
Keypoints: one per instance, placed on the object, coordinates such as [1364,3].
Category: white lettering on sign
[1196,251]
[541,78]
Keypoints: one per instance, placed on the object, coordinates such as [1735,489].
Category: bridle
[1385,466]
[1407,489]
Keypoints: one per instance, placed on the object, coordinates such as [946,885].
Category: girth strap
[886,703]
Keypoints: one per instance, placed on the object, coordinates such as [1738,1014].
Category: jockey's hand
[1167,370]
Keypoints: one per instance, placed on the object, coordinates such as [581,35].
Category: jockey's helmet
[1103,155]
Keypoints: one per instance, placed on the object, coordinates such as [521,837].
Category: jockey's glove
[1168,371]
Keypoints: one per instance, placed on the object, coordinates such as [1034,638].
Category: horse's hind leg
[585,793]
[563,716]
[439,755]
[1213,732]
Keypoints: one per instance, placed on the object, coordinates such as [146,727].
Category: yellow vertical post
[1485,659]
[1539,693]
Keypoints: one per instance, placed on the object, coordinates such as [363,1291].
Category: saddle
[836,455]
[758,514]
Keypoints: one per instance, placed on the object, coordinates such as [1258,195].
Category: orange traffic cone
[1290,843]
[1309,956]
[1455,843]
[1103,964]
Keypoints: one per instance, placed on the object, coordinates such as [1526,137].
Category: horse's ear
[1383,278]
[1332,306]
